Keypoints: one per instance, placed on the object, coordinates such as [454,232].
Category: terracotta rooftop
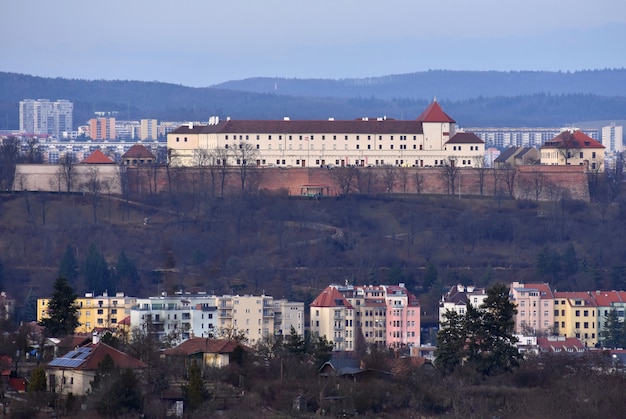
[98,157]
[560,344]
[89,356]
[434,113]
[331,297]
[572,139]
[203,345]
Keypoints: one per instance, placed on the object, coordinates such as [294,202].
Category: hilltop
[475,98]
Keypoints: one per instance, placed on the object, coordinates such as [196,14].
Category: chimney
[95,337]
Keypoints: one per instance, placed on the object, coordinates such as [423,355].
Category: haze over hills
[472,98]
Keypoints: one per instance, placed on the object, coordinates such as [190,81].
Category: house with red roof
[97,157]
[535,308]
[217,353]
[560,344]
[74,371]
[575,148]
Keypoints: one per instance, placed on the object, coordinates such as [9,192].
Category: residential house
[607,301]
[216,353]
[74,371]
[560,344]
[573,147]
[517,156]
[457,298]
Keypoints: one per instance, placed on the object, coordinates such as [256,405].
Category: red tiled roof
[577,295]
[544,289]
[605,298]
[331,297]
[98,157]
[138,151]
[203,345]
[434,113]
[572,139]
[125,321]
[560,344]
[465,138]
[96,353]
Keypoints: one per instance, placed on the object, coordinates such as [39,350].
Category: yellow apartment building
[102,311]
[575,315]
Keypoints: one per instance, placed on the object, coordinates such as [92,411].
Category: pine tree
[194,392]
[96,271]
[68,267]
[450,342]
[37,380]
[611,332]
[62,312]
[127,275]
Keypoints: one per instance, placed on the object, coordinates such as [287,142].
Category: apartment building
[102,129]
[607,301]
[576,315]
[102,311]
[535,308]
[380,315]
[429,140]
[148,130]
[42,116]
[182,316]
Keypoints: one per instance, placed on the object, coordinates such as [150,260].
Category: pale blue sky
[202,42]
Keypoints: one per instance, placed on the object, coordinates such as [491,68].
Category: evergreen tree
[612,330]
[115,392]
[62,312]
[450,342]
[295,343]
[68,267]
[29,309]
[194,392]
[127,275]
[96,271]
[37,380]
[482,337]
[430,276]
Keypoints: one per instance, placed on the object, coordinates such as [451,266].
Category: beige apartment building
[429,140]
[535,309]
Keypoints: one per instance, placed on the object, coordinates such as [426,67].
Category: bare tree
[245,155]
[419,182]
[403,177]
[538,181]
[93,186]
[509,178]
[568,146]
[448,174]
[68,170]
[497,176]
[33,151]
[389,176]
[221,160]
[614,179]
[593,175]
[345,178]
[481,169]
[9,156]
[368,179]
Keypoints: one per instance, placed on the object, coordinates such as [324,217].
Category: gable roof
[89,356]
[465,138]
[434,113]
[572,139]
[138,151]
[98,157]
[331,297]
[203,345]
[560,344]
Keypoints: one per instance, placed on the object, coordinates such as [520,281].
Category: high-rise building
[613,137]
[148,130]
[42,116]
[102,129]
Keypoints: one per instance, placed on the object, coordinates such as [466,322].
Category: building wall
[49,177]
[576,318]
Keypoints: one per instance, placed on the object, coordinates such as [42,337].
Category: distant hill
[472,98]
[445,85]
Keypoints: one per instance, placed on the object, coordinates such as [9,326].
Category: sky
[201,43]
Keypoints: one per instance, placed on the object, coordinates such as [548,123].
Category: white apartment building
[429,140]
[42,116]
[182,316]
[613,138]
[383,315]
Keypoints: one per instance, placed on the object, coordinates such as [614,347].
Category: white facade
[42,116]
[613,138]
[181,316]
[458,297]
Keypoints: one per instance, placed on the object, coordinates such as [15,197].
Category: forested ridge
[472,98]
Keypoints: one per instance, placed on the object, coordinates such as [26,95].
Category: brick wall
[522,182]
